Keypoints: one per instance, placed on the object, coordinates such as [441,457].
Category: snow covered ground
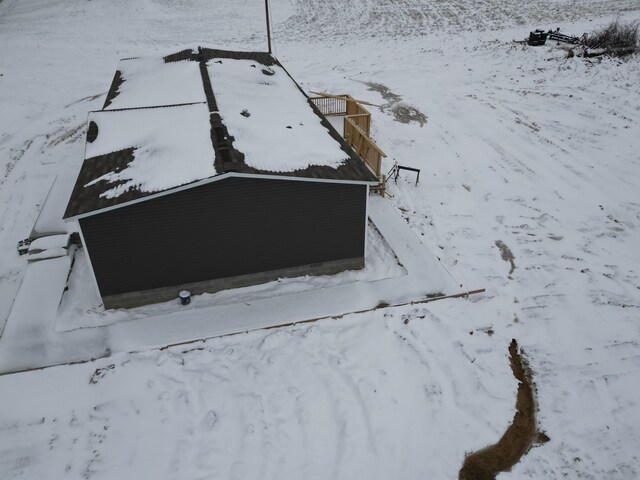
[81,305]
[43,330]
[526,156]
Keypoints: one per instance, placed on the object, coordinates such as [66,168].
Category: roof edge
[213,179]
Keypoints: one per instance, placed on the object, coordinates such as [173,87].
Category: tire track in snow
[15,155]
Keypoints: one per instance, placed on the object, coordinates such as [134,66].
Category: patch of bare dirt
[100,373]
[383,90]
[485,464]
[402,111]
[405,113]
[506,254]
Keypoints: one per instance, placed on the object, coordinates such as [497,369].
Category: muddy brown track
[402,112]
[383,90]
[485,464]
[506,254]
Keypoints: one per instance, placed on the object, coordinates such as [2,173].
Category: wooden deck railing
[362,120]
[364,146]
[329,106]
[357,128]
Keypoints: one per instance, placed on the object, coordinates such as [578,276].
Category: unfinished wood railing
[364,146]
[357,128]
[329,106]
[360,115]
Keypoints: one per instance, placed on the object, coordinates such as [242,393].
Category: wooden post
[266,7]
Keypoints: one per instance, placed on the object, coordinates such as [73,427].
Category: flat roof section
[142,151]
[270,118]
[149,82]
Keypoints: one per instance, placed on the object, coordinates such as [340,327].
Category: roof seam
[227,157]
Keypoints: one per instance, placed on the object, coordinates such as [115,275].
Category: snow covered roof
[261,106]
[197,115]
[171,146]
[148,82]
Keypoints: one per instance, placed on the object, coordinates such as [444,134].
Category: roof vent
[92,132]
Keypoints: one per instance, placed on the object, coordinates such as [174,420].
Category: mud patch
[383,90]
[100,373]
[506,254]
[405,113]
[485,464]
[402,111]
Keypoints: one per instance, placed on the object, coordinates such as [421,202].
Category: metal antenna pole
[266,7]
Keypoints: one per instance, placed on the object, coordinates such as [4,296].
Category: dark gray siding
[231,227]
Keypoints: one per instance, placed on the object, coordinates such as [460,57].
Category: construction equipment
[537,38]
[561,37]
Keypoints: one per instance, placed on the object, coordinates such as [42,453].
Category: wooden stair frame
[356,131]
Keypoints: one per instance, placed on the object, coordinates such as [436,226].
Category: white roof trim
[211,180]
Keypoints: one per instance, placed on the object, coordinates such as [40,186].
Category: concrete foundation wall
[164,294]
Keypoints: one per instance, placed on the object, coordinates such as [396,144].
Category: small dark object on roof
[92,132]
[23,245]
